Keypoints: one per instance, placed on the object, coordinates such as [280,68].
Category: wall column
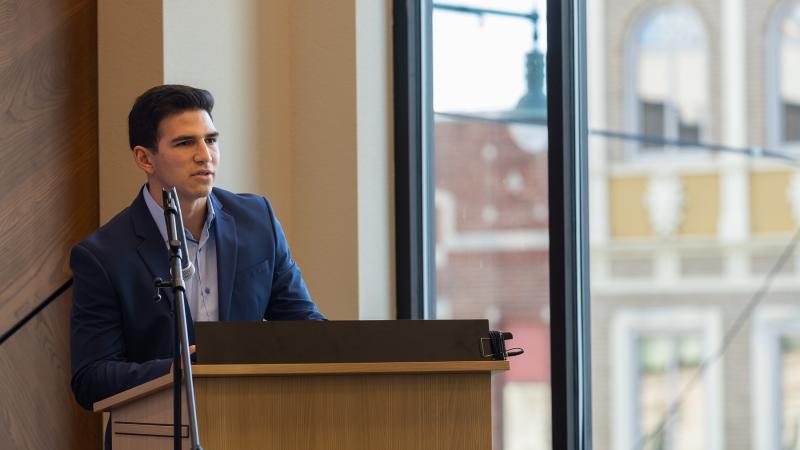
[302,90]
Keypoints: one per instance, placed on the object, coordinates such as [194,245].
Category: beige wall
[701,211]
[771,212]
[627,212]
[303,106]
[129,60]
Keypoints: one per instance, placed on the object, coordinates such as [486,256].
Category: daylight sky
[479,63]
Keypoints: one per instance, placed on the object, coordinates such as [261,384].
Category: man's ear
[144,159]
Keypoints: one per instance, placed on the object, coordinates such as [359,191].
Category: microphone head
[188,271]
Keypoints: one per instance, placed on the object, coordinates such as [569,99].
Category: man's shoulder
[252,213]
[241,203]
[111,234]
[227,197]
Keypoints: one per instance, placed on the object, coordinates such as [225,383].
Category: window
[669,69]
[666,363]
[789,364]
[482,199]
[656,357]
[683,247]
[776,374]
[685,253]
[489,170]
[784,41]
[693,226]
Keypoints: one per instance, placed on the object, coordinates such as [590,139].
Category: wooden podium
[331,406]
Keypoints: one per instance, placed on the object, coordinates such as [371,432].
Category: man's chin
[195,194]
[203,193]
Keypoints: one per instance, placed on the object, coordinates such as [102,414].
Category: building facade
[694,203]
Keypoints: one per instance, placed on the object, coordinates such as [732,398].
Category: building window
[783,89]
[667,65]
[665,398]
[666,365]
[789,364]
[776,375]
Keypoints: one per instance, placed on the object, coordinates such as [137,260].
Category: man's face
[187,155]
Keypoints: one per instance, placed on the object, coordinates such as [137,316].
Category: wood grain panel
[425,411]
[37,410]
[250,370]
[48,145]
[369,412]
[48,202]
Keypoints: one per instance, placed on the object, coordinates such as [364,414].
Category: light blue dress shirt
[201,289]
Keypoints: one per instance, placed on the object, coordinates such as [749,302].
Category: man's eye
[183,143]
[211,140]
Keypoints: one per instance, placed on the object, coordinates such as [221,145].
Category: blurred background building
[694,144]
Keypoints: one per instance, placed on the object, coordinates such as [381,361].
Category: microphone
[187,268]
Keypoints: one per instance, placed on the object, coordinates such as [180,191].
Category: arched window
[783,90]
[667,68]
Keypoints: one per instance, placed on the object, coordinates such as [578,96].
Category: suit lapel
[154,253]
[227,252]
[151,249]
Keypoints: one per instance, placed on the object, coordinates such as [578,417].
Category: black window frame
[408,157]
[569,233]
[568,210]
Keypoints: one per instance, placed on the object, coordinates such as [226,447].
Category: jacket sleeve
[97,344]
[289,299]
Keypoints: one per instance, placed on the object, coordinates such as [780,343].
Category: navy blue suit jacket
[121,337]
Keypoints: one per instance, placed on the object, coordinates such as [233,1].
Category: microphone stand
[172,211]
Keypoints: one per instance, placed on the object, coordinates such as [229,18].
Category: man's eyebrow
[189,137]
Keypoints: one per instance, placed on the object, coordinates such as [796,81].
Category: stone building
[694,117]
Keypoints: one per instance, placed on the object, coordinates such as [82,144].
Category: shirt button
[208,291]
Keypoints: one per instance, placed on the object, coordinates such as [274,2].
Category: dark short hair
[158,103]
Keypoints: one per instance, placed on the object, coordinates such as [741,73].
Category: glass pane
[790,390]
[790,73]
[666,366]
[489,151]
[669,51]
[694,204]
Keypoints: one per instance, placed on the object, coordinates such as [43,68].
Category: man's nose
[203,153]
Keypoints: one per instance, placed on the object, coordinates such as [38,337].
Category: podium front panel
[347,412]
[410,407]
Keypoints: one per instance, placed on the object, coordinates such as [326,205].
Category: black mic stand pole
[171,212]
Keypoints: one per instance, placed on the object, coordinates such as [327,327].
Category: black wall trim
[408,158]
[61,289]
[569,281]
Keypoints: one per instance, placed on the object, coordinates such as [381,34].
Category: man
[120,335]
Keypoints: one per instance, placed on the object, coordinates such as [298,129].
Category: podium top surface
[340,341]
[255,370]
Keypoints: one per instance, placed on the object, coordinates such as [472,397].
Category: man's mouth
[203,173]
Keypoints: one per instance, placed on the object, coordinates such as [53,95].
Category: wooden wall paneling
[48,202]
[48,145]
[37,410]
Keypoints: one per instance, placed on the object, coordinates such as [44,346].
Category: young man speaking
[120,336]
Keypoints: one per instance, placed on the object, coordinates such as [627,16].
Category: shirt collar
[158,215]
